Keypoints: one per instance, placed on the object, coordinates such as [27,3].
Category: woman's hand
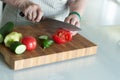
[75,6]
[32,11]
[74,20]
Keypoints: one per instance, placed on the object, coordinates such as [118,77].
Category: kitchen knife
[59,24]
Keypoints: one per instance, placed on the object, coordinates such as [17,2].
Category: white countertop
[102,66]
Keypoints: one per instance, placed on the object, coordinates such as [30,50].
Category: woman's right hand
[31,11]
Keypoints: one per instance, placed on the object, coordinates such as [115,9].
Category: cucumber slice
[17,47]
[43,37]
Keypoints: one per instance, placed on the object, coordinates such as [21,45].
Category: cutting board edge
[58,57]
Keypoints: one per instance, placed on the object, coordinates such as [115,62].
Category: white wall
[0,11]
[101,12]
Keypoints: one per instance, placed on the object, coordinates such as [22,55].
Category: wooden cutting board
[78,47]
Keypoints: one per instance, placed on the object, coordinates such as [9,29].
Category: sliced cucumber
[17,47]
[43,37]
[11,37]
[6,29]
[47,43]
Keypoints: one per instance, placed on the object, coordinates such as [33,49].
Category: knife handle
[21,14]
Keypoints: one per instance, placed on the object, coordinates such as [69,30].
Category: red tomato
[30,42]
[62,36]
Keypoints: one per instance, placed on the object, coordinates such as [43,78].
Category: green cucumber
[17,47]
[11,37]
[6,29]
[1,38]
[47,43]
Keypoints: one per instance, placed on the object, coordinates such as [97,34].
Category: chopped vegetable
[62,36]
[6,29]
[43,37]
[17,47]
[45,41]
[11,37]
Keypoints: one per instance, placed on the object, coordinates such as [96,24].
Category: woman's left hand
[74,20]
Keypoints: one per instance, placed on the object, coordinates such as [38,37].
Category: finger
[30,15]
[39,15]
[26,13]
[77,24]
[67,19]
[34,15]
[72,21]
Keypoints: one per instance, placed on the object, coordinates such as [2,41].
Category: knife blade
[59,24]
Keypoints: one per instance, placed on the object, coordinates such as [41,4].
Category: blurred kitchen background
[102,16]
[98,12]
[102,12]
[0,11]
